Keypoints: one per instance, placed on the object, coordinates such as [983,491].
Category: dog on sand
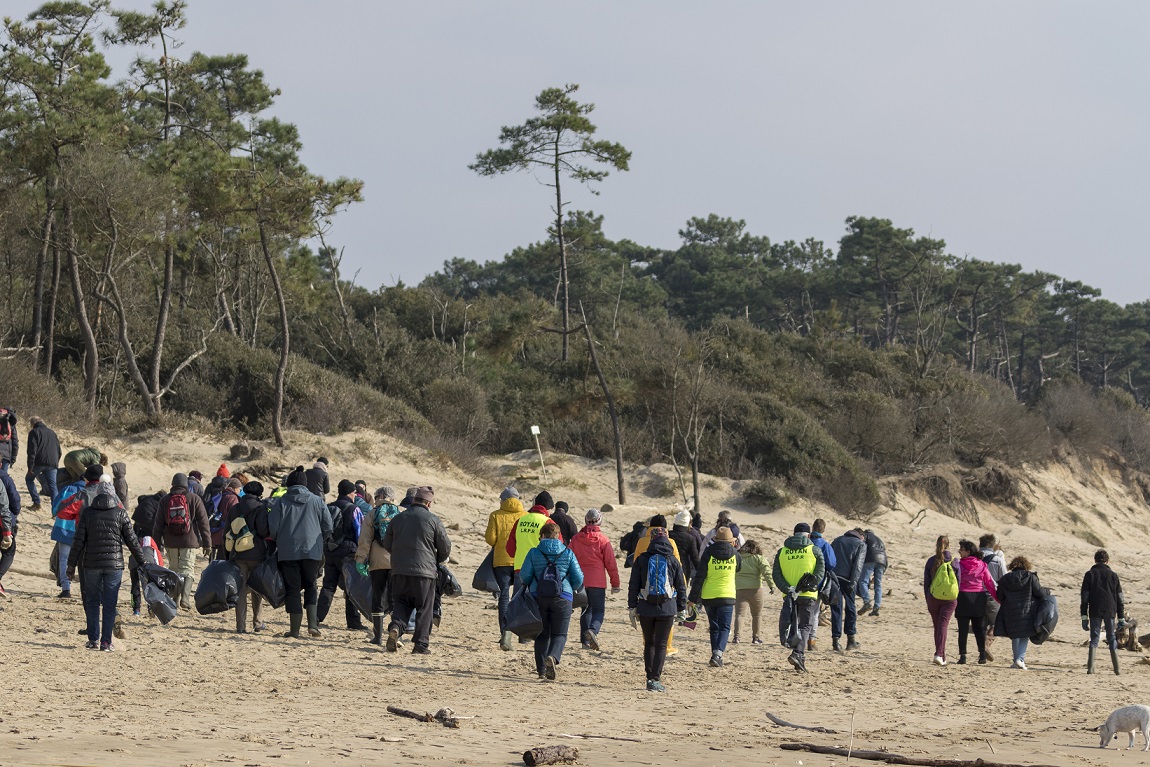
[1128,719]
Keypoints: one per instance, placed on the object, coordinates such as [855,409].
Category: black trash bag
[789,634]
[266,580]
[446,585]
[484,579]
[219,588]
[523,619]
[54,563]
[1045,617]
[160,603]
[169,581]
[579,599]
[830,590]
[358,588]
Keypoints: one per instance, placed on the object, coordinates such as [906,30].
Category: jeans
[864,583]
[101,591]
[844,606]
[47,477]
[62,568]
[592,616]
[1018,646]
[299,575]
[719,618]
[940,614]
[655,633]
[1096,624]
[556,615]
[505,577]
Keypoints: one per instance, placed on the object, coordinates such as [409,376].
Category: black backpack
[337,531]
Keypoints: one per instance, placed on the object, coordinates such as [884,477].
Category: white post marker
[535,433]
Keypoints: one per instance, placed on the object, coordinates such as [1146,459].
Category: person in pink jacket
[596,557]
[974,584]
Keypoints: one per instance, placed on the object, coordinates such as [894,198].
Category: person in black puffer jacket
[1018,594]
[567,528]
[102,531]
[1102,605]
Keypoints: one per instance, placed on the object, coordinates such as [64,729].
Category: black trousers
[379,595]
[300,574]
[410,592]
[332,579]
[656,632]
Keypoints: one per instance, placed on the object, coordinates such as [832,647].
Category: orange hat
[223,471]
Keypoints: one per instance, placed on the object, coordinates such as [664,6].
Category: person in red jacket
[593,551]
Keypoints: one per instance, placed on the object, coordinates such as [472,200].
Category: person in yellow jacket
[798,571]
[500,527]
[659,522]
[714,586]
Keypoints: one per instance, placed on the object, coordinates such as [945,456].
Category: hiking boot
[185,605]
[716,661]
[654,685]
[797,661]
[64,595]
[866,606]
[852,644]
[982,658]
[590,640]
[812,645]
[734,640]
[259,627]
[118,630]
[420,650]
[392,640]
[549,668]
[962,659]
[505,641]
[874,613]
[35,506]
[835,644]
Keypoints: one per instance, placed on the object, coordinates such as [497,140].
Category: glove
[633,614]
[616,590]
[1121,623]
[680,616]
[6,541]
[792,593]
[361,567]
[1085,623]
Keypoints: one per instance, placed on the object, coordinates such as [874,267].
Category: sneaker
[734,640]
[1018,665]
[392,640]
[136,613]
[756,640]
[590,641]
[64,595]
[419,650]
[865,607]
[874,613]
[549,668]
[812,645]
[91,645]
[672,651]
[106,647]
[939,660]
[185,606]
[716,661]
[259,627]
[989,656]
[654,685]
[797,662]
[3,593]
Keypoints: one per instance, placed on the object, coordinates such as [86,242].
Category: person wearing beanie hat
[94,472]
[554,599]
[567,526]
[223,471]
[347,515]
[501,525]
[98,548]
[596,558]
[656,617]
[181,526]
[656,523]
[250,512]
[317,479]
[798,570]
[195,480]
[219,505]
[418,544]
[724,520]
[714,586]
[374,561]
[299,523]
[687,542]
[527,529]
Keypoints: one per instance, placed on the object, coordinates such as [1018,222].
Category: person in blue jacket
[822,544]
[553,596]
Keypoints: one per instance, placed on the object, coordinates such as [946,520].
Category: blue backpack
[215,516]
[658,588]
[550,584]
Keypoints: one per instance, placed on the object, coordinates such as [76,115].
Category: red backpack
[176,514]
[5,424]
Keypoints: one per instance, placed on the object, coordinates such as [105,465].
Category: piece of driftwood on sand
[550,755]
[785,723]
[883,756]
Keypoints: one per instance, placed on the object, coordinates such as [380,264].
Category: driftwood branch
[600,737]
[883,756]
[444,716]
[784,723]
[550,755]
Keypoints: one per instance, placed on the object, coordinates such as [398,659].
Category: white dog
[1129,719]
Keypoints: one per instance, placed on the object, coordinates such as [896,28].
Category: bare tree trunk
[285,338]
[53,296]
[610,409]
[91,353]
[41,268]
[562,257]
[162,327]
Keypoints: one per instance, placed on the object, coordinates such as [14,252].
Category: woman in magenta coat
[974,584]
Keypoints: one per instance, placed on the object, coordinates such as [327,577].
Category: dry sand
[195,693]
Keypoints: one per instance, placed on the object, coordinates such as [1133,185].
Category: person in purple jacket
[974,584]
[941,610]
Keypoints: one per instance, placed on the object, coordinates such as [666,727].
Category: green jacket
[753,573]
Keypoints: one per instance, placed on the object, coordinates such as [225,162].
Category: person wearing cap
[714,588]
[687,542]
[567,527]
[799,569]
[43,459]
[317,478]
[372,559]
[596,557]
[723,520]
[347,518]
[66,512]
[656,616]
[300,524]
[554,609]
[527,529]
[102,532]
[181,546]
[501,525]
[418,543]
[251,512]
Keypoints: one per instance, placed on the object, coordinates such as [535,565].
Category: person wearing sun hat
[799,569]
[714,587]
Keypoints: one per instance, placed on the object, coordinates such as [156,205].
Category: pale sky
[1015,131]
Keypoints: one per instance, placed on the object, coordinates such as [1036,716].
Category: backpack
[239,538]
[337,531]
[176,514]
[5,424]
[944,584]
[550,584]
[657,589]
[215,516]
[382,520]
